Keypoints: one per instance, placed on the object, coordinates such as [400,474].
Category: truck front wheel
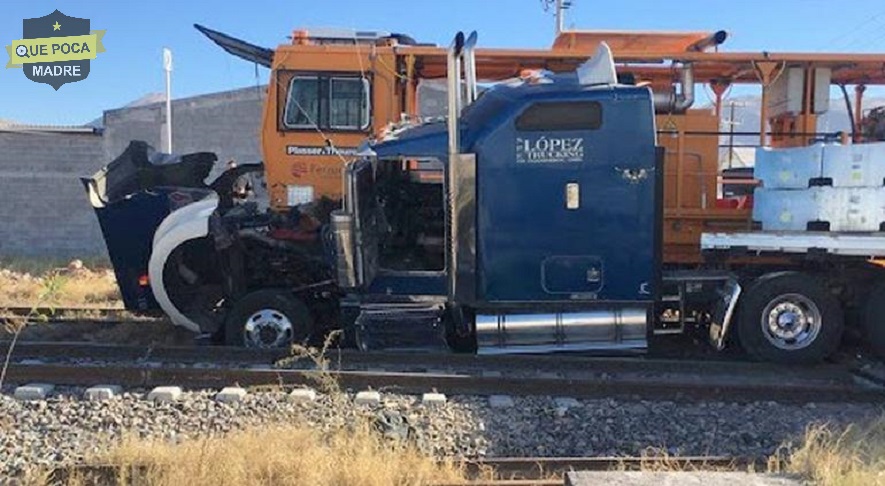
[789,318]
[267,319]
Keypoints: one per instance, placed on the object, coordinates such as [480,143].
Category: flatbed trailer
[866,246]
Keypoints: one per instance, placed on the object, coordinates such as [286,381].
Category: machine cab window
[328,102]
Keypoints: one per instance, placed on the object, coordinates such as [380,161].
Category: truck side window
[553,116]
[337,103]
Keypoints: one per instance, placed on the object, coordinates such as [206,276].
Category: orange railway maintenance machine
[330,90]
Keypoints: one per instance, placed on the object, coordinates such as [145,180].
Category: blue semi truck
[527,221]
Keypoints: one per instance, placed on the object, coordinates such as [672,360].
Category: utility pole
[167,66]
[731,129]
[561,7]
[731,137]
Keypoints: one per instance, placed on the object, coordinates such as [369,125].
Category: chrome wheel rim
[791,322]
[267,328]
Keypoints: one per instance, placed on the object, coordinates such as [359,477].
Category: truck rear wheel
[874,319]
[267,319]
[789,318]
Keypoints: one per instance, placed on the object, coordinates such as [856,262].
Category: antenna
[561,6]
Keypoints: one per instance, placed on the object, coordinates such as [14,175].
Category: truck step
[401,328]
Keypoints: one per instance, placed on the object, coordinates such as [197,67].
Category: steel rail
[59,350]
[78,315]
[625,386]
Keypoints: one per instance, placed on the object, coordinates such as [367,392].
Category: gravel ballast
[66,427]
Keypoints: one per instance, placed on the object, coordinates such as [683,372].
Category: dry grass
[24,283]
[854,456]
[285,455]
[282,454]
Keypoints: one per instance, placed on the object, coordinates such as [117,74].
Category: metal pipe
[713,40]
[674,102]
[470,71]
[858,111]
[454,98]
[454,94]
[560,17]
[167,66]
[850,112]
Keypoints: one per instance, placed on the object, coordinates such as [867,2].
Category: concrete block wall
[43,206]
[227,123]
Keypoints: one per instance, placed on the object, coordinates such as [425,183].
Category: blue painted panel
[522,216]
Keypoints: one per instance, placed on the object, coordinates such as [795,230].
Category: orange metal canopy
[625,41]
[654,62]
[647,55]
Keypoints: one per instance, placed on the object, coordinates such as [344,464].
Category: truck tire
[874,319]
[789,318]
[267,319]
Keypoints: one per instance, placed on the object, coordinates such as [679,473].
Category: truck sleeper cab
[550,214]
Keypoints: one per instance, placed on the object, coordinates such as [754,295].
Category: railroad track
[513,471]
[75,364]
[80,315]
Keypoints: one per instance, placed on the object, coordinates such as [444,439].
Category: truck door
[567,202]
[362,202]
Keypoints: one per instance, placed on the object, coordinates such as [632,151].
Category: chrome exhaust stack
[454,93]
[674,102]
[713,40]
[470,84]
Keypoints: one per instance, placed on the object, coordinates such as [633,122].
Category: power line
[858,33]
[853,30]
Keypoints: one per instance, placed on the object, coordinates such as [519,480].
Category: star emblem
[57,26]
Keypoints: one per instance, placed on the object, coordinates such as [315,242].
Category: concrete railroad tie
[33,391]
[102,392]
[302,395]
[231,394]
[164,394]
[368,397]
[433,399]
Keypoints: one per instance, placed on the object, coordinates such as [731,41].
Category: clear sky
[138,30]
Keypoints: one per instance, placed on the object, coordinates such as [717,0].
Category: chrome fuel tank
[598,330]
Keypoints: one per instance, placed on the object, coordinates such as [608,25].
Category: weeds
[326,381]
[853,456]
[73,285]
[278,456]
[14,325]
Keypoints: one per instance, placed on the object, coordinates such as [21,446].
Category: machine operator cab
[528,222]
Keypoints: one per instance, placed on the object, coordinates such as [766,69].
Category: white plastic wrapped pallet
[790,168]
[860,209]
[861,165]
